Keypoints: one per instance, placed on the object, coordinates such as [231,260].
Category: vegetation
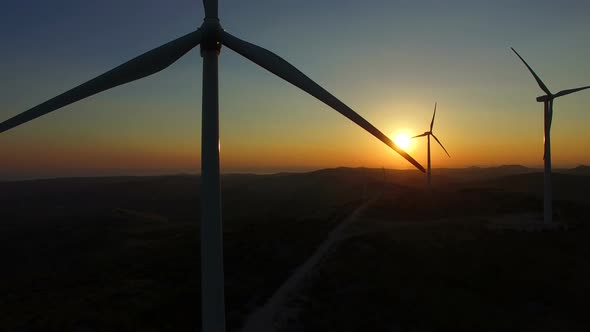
[436,263]
[122,254]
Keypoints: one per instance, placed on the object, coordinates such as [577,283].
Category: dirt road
[265,318]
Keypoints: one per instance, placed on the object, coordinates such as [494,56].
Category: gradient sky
[389,60]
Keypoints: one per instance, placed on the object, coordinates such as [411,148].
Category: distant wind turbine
[548,117]
[210,36]
[428,134]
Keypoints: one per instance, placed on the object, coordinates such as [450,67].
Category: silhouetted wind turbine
[428,134]
[210,36]
[548,117]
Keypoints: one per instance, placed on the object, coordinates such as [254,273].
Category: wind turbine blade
[441,145]
[144,65]
[421,135]
[541,84]
[288,72]
[433,114]
[210,8]
[567,92]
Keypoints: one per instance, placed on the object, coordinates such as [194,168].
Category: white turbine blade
[433,114]
[421,135]
[144,65]
[288,72]
[210,8]
[541,84]
[441,145]
[567,92]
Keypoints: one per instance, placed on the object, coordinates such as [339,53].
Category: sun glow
[403,140]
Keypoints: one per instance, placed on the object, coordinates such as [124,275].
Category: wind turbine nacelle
[543,99]
[211,31]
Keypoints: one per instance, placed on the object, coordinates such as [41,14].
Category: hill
[122,253]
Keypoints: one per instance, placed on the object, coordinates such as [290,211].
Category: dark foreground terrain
[448,268]
[122,254]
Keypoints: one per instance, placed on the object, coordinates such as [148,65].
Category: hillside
[122,253]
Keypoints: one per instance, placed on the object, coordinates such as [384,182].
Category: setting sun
[403,140]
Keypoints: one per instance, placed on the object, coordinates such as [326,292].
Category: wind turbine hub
[211,31]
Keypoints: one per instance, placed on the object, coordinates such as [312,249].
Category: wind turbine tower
[547,101]
[210,36]
[428,134]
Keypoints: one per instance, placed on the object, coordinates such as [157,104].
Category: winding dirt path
[263,319]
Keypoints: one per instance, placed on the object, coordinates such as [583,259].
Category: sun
[403,140]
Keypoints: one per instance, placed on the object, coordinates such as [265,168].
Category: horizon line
[112,173]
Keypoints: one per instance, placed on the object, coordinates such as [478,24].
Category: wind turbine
[211,37]
[547,101]
[428,134]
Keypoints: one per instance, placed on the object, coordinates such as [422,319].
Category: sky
[388,60]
